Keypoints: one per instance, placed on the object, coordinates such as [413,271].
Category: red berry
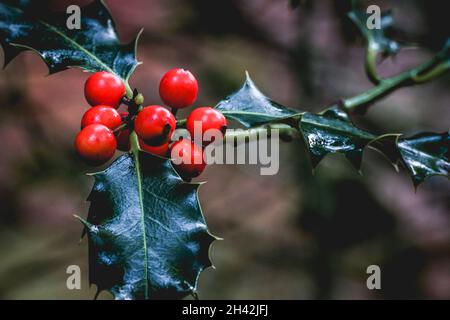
[208,118]
[123,140]
[158,150]
[123,136]
[104,88]
[155,125]
[178,88]
[185,151]
[124,115]
[96,144]
[104,115]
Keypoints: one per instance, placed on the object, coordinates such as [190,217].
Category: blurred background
[291,236]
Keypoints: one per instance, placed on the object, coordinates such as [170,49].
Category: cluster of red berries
[104,129]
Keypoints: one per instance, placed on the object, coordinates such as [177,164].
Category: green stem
[129,91]
[181,123]
[286,132]
[120,128]
[425,72]
[134,144]
[370,64]
[135,149]
[433,73]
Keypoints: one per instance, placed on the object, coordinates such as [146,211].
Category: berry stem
[181,123]
[174,111]
[120,128]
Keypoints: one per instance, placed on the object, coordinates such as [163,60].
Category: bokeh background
[290,236]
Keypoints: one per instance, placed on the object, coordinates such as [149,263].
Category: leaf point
[97,293]
[249,82]
[198,184]
[215,238]
[194,294]
[87,224]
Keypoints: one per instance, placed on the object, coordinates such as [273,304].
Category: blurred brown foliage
[289,236]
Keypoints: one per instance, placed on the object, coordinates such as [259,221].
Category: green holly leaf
[147,235]
[333,132]
[376,38]
[94,47]
[426,155]
[10,52]
[251,108]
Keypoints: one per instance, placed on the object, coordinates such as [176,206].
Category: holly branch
[147,235]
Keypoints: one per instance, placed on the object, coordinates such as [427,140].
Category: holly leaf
[333,132]
[94,47]
[251,108]
[376,38]
[10,52]
[147,235]
[426,155]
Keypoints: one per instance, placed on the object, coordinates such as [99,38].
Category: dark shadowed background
[289,236]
